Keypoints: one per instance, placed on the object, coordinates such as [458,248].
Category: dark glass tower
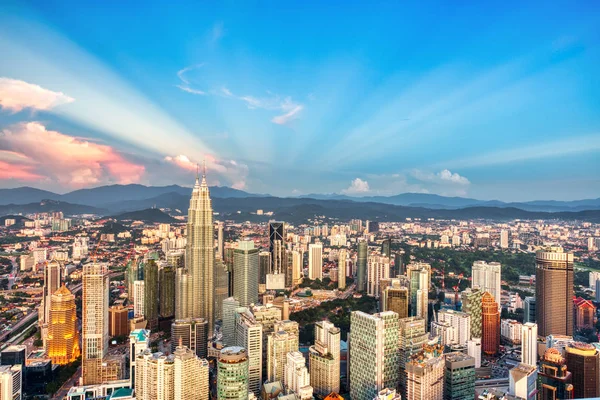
[361,266]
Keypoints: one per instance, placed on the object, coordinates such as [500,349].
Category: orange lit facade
[584,313]
[490,321]
[63,338]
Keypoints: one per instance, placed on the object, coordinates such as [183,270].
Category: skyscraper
[490,324]
[361,266]
[151,294]
[285,338]
[190,374]
[459,377]
[249,335]
[554,380]
[412,334]
[297,268]
[222,283]
[276,246]
[245,272]
[63,337]
[486,276]
[373,353]
[460,324]
[139,298]
[324,358]
[554,292]
[315,261]
[386,246]
[232,374]
[264,266]
[11,382]
[504,239]
[154,376]
[396,299]
[379,269]
[230,305]
[529,309]
[471,304]
[343,254]
[52,281]
[425,374]
[529,335]
[191,333]
[166,292]
[583,360]
[296,378]
[199,259]
[220,229]
[398,264]
[420,281]
[94,321]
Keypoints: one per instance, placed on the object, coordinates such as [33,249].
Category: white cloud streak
[17,95]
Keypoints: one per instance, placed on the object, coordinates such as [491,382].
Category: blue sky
[493,101]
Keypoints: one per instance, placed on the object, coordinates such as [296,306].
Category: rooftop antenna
[204,168]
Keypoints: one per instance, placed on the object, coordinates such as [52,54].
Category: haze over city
[302,98]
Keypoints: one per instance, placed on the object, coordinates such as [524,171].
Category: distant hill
[149,215]
[104,196]
[47,205]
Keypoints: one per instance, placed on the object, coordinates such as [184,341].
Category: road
[64,389]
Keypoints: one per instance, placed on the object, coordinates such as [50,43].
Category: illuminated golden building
[490,324]
[63,338]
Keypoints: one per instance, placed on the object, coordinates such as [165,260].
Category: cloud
[16,95]
[273,102]
[67,160]
[444,176]
[357,186]
[287,117]
[234,173]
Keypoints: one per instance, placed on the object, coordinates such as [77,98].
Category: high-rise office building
[361,266]
[151,294]
[276,246]
[554,292]
[139,342]
[386,246]
[378,270]
[522,381]
[222,283]
[191,333]
[425,374]
[190,373]
[297,274]
[420,281]
[296,378]
[154,376]
[230,305]
[52,281]
[529,336]
[249,335]
[396,298]
[373,353]
[412,333]
[220,239]
[166,292]
[459,323]
[490,324]
[583,360]
[459,376]
[245,272]
[94,321]
[486,276]
[139,298]
[529,309]
[63,337]
[474,350]
[324,358]
[471,304]
[11,382]
[504,239]
[200,255]
[264,266]
[554,380]
[398,264]
[232,374]
[285,338]
[315,261]
[118,322]
[342,256]
[183,292]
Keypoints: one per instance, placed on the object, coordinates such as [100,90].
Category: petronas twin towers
[195,283]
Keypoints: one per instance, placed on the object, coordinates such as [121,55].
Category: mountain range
[116,200]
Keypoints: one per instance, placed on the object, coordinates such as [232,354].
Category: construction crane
[457,288]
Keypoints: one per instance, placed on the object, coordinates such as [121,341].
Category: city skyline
[495,115]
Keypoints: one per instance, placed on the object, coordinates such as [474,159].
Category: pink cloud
[16,95]
[234,173]
[70,161]
[18,172]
